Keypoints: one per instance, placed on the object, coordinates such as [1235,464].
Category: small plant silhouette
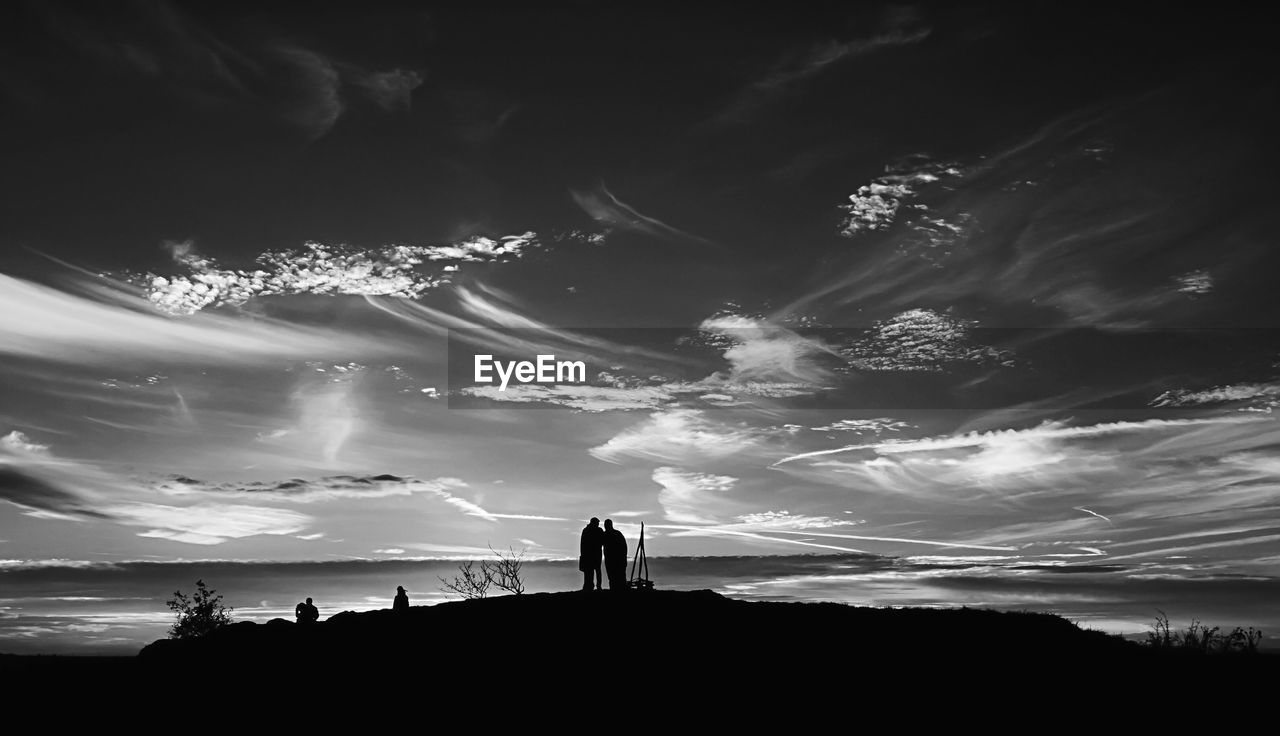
[1243,641]
[1161,635]
[503,573]
[197,614]
[1198,637]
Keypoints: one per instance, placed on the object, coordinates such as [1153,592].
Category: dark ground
[693,650]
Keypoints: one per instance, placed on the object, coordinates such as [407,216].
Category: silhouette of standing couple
[609,544]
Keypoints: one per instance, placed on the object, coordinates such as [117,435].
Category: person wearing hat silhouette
[401,602]
[590,553]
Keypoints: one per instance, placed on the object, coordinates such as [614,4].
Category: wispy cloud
[612,212]
[1253,394]
[680,436]
[284,81]
[316,99]
[208,523]
[899,27]
[391,90]
[1045,431]
[685,496]
[48,487]
[42,322]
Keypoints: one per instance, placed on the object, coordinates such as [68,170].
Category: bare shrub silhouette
[503,573]
[470,582]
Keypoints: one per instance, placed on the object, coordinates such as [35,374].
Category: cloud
[208,523]
[920,340]
[1196,283]
[1006,438]
[685,496]
[328,412]
[53,488]
[758,352]
[193,64]
[582,398]
[203,523]
[1257,394]
[723,531]
[874,426]
[679,437]
[899,27]
[877,205]
[18,443]
[42,322]
[393,270]
[341,487]
[390,90]
[316,490]
[42,498]
[777,520]
[763,362]
[1133,483]
[873,207]
[315,100]
[612,212]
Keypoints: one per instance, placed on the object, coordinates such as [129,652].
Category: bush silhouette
[198,614]
[503,573]
[1200,638]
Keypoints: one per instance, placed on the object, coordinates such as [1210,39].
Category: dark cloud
[31,492]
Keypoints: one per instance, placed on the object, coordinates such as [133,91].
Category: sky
[985,289]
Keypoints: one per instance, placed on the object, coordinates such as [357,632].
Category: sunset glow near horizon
[978,302]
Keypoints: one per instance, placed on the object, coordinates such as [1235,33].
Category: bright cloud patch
[1195,283]
[686,497]
[393,270]
[678,436]
[1264,394]
[208,523]
[919,340]
[18,443]
[784,519]
[875,426]
[875,206]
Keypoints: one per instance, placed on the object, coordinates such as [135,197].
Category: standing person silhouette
[401,602]
[590,553]
[615,556]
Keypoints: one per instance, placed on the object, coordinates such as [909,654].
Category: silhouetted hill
[698,653]
[676,640]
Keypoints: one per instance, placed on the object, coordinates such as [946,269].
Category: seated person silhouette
[306,613]
[401,602]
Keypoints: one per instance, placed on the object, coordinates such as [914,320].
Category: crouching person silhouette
[590,553]
[401,602]
[615,556]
